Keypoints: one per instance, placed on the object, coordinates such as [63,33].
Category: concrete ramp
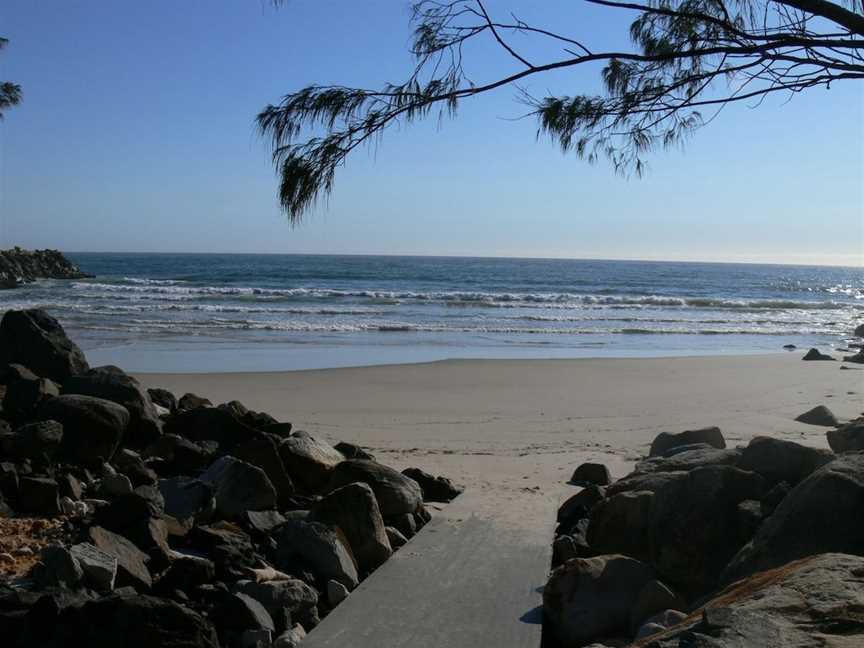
[468,579]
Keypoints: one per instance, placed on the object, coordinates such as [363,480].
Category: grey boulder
[36,340]
[779,460]
[323,550]
[666,440]
[93,428]
[239,487]
[396,493]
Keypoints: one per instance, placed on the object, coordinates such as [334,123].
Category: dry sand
[512,431]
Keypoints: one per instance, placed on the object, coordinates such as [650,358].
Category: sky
[136,133]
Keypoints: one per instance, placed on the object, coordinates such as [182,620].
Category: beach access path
[511,432]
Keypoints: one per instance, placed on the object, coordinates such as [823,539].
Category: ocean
[238,312]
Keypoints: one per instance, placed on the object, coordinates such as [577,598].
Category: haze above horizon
[136,134]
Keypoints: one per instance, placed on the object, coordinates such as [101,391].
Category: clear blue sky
[136,134]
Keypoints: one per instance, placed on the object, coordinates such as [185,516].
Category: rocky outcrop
[18,266]
[665,441]
[815,601]
[181,522]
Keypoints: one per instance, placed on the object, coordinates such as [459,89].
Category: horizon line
[479,256]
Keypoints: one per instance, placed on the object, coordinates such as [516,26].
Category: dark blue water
[190,312]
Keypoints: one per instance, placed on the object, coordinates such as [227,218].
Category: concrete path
[468,579]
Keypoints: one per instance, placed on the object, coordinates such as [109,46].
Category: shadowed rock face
[821,514]
[19,266]
[811,602]
[36,340]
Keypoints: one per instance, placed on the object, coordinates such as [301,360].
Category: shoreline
[510,430]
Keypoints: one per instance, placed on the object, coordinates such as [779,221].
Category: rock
[665,441]
[92,427]
[857,358]
[336,593]
[36,340]
[131,561]
[264,521]
[405,523]
[654,598]
[659,623]
[130,464]
[227,546]
[19,266]
[578,506]
[239,612]
[263,452]
[819,415]
[859,331]
[622,524]
[281,430]
[24,392]
[395,537]
[354,509]
[38,496]
[309,461]
[815,354]
[239,487]
[99,567]
[235,407]
[141,622]
[291,595]
[114,485]
[37,441]
[290,638]
[847,438]
[184,457]
[256,639]
[694,531]
[396,493]
[113,384]
[192,401]
[810,602]
[779,460]
[188,500]
[163,398]
[650,481]
[435,489]
[186,572]
[789,347]
[59,568]
[210,424]
[686,458]
[323,550]
[821,514]
[351,451]
[590,598]
[591,473]
[565,547]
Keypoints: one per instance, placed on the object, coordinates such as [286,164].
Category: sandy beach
[511,431]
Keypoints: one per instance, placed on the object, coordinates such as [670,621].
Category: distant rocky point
[18,266]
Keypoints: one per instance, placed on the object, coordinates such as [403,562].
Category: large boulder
[695,524]
[321,549]
[587,599]
[263,452]
[821,514]
[139,622]
[36,340]
[239,487]
[815,601]
[649,481]
[115,385]
[38,496]
[229,548]
[93,428]
[778,460]
[189,501]
[622,524]
[132,567]
[37,441]
[99,567]
[847,438]
[666,440]
[354,509]
[24,392]
[210,424]
[180,455]
[163,398]
[396,493]
[309,460]
[435,489]
[287,595]
[688,457]
[815,354]
[591,473]
[857,358]
[819,415]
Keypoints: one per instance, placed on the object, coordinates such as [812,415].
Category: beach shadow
[533,616]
